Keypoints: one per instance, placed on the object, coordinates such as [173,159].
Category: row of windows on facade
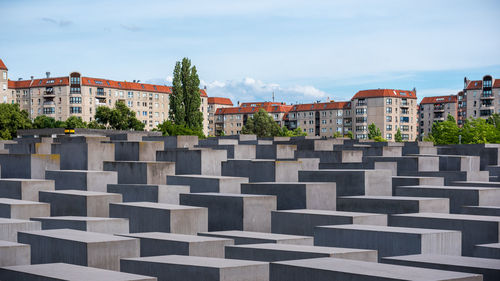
[404,102]
[404,128]
[387,136]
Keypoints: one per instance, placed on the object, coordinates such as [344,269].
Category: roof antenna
[273,96]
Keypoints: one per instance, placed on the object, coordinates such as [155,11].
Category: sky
[303,51]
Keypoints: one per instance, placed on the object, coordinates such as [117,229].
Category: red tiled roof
[475,85]
[270,109]
[216,100]
[496,84]
[2,65]
[321,106]
[440,99]
[267,103]
[55,81]
[385,93]
[203,93]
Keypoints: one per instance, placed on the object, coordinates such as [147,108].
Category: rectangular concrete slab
[389,241]
[250,237]
[152,217]
[303,221]
[189,268]
[159,193]
[10,227]
[205,183]
[489,268]
[79,247]
[270,252]
[489,251]
[22,209]
[92,224]
[12,253]
[79,202]
[323,269]
[65,271]
[24,189]
[161,243]
[141,172]
[82,179]
[392,204]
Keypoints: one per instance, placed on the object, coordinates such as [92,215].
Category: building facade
[215,103]
[77,95]
[388,109]
[481,98]
[436,109]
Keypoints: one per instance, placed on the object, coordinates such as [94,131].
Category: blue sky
[302,50]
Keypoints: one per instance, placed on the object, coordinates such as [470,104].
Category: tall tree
[262,125]
[445,132]
[11,120]
[398,137]
[118,118]
[185,100]
[373,131]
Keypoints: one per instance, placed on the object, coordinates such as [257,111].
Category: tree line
[474,130]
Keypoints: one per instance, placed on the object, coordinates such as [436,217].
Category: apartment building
[436,109]
[321,119]
[4,78]
[388,109]
[77,95]
[215,103]
[231,120]
[480,98]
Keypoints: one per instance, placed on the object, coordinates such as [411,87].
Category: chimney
[238,103]
[133,81]
[205,87]
[19,79]
[48,74]
[32,77]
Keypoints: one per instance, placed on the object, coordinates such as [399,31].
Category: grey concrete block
[24,189]
[290,195]
[151,217]
[489,251]
[392,204]
[88,155]
[250,237]
[22,209]
[459,163]
[323,269]
[459,195]
[475,229]
[159,193]
[353,182]
[481,210]
[141,172]
[269,252]
[79,247]
[194,161]
[79,202]
[161,243]
[190,268]
[10,227]
[137,150]
[234,211]
[489,268]
[328,157]
[413,180]
[204,183]
[303,222]
[262,170]
[174,141]
[82,179]
[476,184]
[64,271]
[28,166]
[389,241]
[92,224]
[12,253]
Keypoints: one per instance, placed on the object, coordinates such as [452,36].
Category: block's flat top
[198,261]
[451,260]
[81,171]
[208,177]
[8,201]
[73,272]
[75,218]
[216,194]
[257,235]
[7,244]
[452,216]
[484,207]
[153,205]
[414,177]
[480,182]
[377,269]
[77,235]
[292,184]
[142,162]
[174,237]
[300,248]
[392,229]
[447,187]
[393,198]
[25,180]
[329,213]
[14,221]
[492,245]
[340,170]
[81,192]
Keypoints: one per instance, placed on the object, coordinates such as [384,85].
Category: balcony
[404,104]
[487,96]
[361,104]
[49,104]
[486,106]
[348,124]
[439,108]
[49,93]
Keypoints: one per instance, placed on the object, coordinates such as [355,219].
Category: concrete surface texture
[108,205]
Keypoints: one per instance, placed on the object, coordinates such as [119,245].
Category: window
[323,130]
[323,113]
[388,128]
[388,118]
[388,136]
[49,110]
[339,112]
[339,121]
[311,130]
[144,113]
[75,100]
[361,119]
[388,101]
[130,95]
[388,110]
[360,111]
[5,75]
[323,121]
[130,103]
[75,110]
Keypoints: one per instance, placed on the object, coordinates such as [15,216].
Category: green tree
[337,135]
[398,137]
[118,118]
[75,122]
[373,131]
[185,100]
[262,125]
[11,120]
[168,128]
[43,121]
[350,135]
[479,131]
[494,119]
[445,132]
[379,139]
[95,125]
[297,132]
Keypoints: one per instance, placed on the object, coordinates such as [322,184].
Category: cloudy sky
[303,51]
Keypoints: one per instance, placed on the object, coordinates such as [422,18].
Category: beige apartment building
[480,98]
[4,78]
[321,119]
[76,95]
[388,109]
[231,120]
[215,103]
[436,109]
